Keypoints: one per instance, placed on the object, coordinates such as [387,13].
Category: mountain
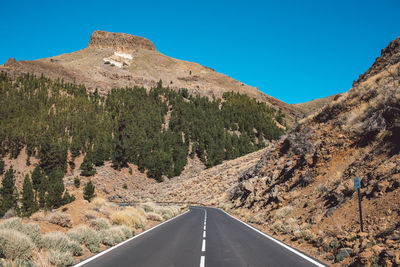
[117,60]
[300,188]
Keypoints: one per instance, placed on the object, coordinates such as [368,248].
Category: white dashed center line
[202,261]
[203,246]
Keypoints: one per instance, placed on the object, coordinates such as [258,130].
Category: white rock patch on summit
[127,56]
[119,59]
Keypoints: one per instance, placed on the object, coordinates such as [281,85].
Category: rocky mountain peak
[119,41]
[389,56]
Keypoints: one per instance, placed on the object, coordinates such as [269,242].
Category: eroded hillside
[300,188]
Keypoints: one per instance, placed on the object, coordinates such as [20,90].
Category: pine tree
[67,198]
[55,189]
[1,166]
[37,175]
[42,191]
[87,167]
[9,193]
[29,204]
[88,191]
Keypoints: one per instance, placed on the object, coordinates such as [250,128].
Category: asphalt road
[204,237]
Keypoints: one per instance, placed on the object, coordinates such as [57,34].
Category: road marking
[126,241]
[202,261]
[204,234]
[203,246]
[204,227]
[278,242]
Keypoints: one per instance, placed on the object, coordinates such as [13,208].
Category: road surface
[204,237]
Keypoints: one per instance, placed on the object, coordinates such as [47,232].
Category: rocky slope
[113,60]
[300,189]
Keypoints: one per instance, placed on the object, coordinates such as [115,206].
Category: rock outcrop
[119,41]
[389,57]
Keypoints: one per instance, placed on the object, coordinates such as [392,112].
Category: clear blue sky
[293,50]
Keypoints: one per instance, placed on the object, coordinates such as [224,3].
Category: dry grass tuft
[283,212]
[98,202]
[130,217]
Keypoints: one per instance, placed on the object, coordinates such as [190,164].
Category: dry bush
[148,206]
[17,263]
[89,216]
[15,245]
[100,224]
[61,242]
[84,235]
[32,230]
[276,226]
[59,258]
[154,216]
[114,235]
[98,202]
[61,219]
[166,212]
[283,212]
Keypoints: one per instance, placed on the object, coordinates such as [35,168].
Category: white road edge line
[126,241]
[203,246]
[204,228]
[278,242]
[202,261]
[204,234]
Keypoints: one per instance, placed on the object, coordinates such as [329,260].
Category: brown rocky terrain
[300,189]
[114,60]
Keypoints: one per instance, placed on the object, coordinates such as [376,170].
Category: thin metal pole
[359,207]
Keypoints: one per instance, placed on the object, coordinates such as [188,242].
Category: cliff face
[119,41]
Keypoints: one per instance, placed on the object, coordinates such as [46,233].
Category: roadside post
[357,186]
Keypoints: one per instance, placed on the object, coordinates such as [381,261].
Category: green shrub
[85,235]
[77,182]
[15,245]
[59,258]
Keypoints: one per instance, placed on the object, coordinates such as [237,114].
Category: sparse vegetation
[61,219]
